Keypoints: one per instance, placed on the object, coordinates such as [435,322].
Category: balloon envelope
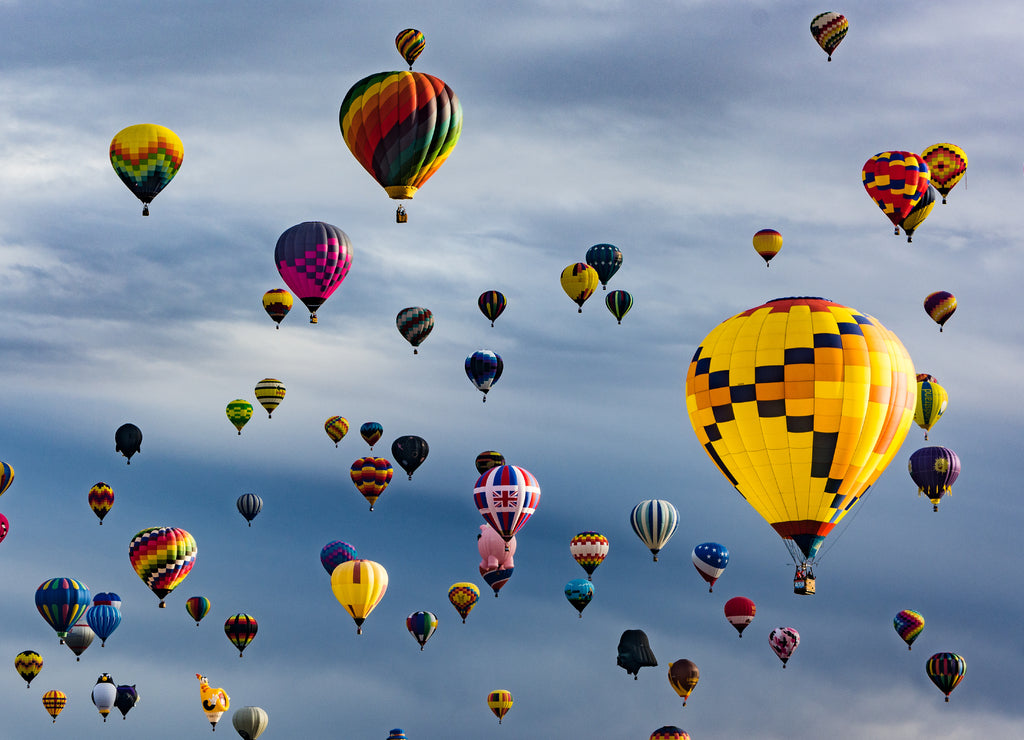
[740,612]
[618,302]
[250,722]
[127,697]
[487,460]
[415,324]
[270,392]
[103,619]
[579,281]
[783,641]
[932,400]
[589,549]
[101,499]
[128,440]
[654,522]
[313,258]
[767,243]
[61,602]
[499,702]
[249,505]
[579,592]
[54,702]
[908,625]
[336,428]
[410,43]
[162,557]
[277,303]
[506,497]
[79,638]
[240,630]
[606,259]
[683,676]
[239,412]
[335,553]
[670,732]
[28,663]
[946,670]
[896,181]
[409,452]
[371,476]
[635,652]
[483,368]
[146,157]
[801,403]
[491,303]
[710,559]
[371,432]
[421,626]
[934,470]
[197,607]
[359,585]
[463,596]
[940,305]
[6,477]
[947,164]
[829,29]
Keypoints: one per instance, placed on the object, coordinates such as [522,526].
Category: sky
[674,130]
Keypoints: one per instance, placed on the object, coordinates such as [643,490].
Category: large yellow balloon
[359,585]
[801,403]
[579,281]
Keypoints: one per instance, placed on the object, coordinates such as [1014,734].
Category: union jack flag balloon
[506,496]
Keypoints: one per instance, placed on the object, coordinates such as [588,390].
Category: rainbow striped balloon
[162,556]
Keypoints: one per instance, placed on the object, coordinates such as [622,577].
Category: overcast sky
[674,130]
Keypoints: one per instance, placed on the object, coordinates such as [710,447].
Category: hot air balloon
[415,324]
[396,734]
[313,258]
[919,213]
[579,592]
[241,629]
[823,393]
[500,702]
[61,602]
[127,697]
[946,670]
[940,305]
[410,451]
[421,626]
[483,368]
[104,694]
[277,303]
[492,304]
[78,639]
[410,43]
[683,676]
[495,552]
[931,402]
[606,259]
[896,181]
[249,505]
[270,392]
[635,652]
[618,302]
[371,476]
[740,612]
[162,556]
[767,243]
[934,470]
[784,641]
[128,440]
[579,281]
[654,522]
[487,460]
[371,432]
[710,559]
[497,579]
[589,549]
[829,29]
[28,663]
[947,163]
[908,625]
[250,722]
[506,497]
[359,585]
[101,498]
[6,477]
[146,157]
[54,702]
[103,618]
[197,607]
[336,428]
[5,527]
[670,732]
[335,553]
[401,127]
[463,596]
[215,701]
[239,412]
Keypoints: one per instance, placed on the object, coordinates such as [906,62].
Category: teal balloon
[579,592]
[606,259]
[62,602]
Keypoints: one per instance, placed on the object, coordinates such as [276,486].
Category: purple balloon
[335,553]
[934,470]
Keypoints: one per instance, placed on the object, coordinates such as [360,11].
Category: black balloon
[635,652]
[410,451]
[128,440]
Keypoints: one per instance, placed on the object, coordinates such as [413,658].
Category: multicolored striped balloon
[908,625]
[618,302]
[940,305]
[197,607]
[415,324]
[421,626]
[54,702]
[371,432]
[241,629]
[946,670]
[670,732]
[162,556]
[61,602]
[371,475]
[491,303]
[410,43]
[101,499]
[829,29]
[6,477]
[401,127]
[146,157]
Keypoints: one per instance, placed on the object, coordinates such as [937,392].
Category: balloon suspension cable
[847,521]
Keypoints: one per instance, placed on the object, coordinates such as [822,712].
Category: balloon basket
[803,586]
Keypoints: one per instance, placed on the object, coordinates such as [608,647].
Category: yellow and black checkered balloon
[801,403]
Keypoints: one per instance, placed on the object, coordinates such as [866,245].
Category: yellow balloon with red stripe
[767,243]
[801,403]
[359,585]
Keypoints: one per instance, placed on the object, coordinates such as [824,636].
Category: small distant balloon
[683,676]
[499,702]
[654,522]
[940,305]
[932,400]
[101,499]
[483,368]
[784,641]
[946,670]
[240,630]
[6,477]
[670,732]
[463,596]
[371,475]
[410,43]
[740,612]
[197,607]
[250,722]
[277,303]
[409,452]
[421,626]
[934,470]
[947,163]
[371,432]
[415,324]
[239,412]
[128,440]
[579,592]
[336,428]
[492,304]
[908,625]
[579,281]
[589,549]
[127,697]
[767,243]
[249,505]
[635,652]
[54,702]
[829,29]
[270,392]
[487,460]
[710,559]
[335,553]
[618,302]
[606,259]
[146,157]
[28,663]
